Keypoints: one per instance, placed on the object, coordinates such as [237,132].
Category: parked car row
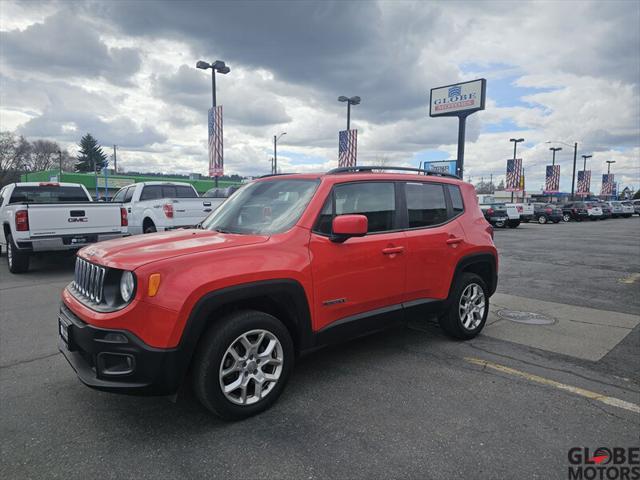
[512,214]
[49,216]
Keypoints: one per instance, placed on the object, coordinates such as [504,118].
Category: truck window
[119,196]
[129,194]
[151,192]
[48,194]
[185,192]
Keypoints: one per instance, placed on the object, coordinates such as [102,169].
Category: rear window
[48,194]
[153,192]
[426,204]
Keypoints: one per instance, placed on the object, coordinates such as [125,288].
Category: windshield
[263,208]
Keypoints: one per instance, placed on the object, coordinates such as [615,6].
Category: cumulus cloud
[556,71]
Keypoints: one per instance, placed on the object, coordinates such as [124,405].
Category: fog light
[115,363]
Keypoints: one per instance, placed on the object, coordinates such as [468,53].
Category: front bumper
[116,360]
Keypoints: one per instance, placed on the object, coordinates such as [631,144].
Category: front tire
[500,224]
[243,364]
[566,217]
[542,219]
[17,261]
[468,308]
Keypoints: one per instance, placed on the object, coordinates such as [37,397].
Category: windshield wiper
[222,230]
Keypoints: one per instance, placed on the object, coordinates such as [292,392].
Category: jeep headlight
[127,286]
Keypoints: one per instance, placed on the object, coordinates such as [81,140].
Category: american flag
[607,184]
[216,156]
[347,148]
[584,182]
[514,171]
[552,180]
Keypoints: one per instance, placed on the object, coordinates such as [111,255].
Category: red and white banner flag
[584,182]
[514,172]
[216,155]
[552,180]
[347,148]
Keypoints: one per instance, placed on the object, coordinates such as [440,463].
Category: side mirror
[347,226]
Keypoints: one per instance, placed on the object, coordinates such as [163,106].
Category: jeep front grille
[89,280]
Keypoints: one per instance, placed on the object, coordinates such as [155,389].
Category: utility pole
[275,154]
[573,177]
[60,165]
[115,160]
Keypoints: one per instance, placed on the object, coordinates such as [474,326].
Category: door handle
[207,209]
[128,210]
[392,250]
[454,240]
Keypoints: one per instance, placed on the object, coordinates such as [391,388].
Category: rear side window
[119,197]
[48,194]
[375,200]
[426,204]
[456,199]
[129,194]
[185,192]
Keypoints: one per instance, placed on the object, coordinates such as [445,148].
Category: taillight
[573,210]
[490,230]
[167,208]
[548,210]
[490,211]
[22,220]
[124,221]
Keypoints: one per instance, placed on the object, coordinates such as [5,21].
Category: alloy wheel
[471,306]
[251,367]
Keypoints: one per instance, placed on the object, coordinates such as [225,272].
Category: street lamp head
[224,70]
[218,64]
[202,64]
[354,100]
[517,140]
[342,98]
[555,149]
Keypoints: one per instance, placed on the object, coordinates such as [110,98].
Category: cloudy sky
[125,71]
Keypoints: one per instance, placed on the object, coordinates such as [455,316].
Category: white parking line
[614,402]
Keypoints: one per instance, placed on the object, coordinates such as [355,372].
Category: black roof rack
[370,168]
[274,175]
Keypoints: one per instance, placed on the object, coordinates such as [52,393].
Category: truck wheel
[242,364]
[149,226]
[468,308]
[566,217]
[542,219]
[500,224]
[514,223]
[17,261]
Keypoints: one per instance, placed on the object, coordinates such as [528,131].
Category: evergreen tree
[91,156]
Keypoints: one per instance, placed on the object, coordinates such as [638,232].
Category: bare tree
[44,155]
[8,168]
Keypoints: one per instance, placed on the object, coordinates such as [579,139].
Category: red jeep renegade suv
[285,265]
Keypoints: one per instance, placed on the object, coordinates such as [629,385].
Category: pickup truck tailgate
[74,218]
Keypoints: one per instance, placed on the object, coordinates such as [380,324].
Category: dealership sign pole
[459,100]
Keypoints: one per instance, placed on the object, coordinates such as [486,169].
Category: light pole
[275,151]
[217,66]
[554,150]
[575,158]
[515,141]
[60,164]
[584,165]
[350,101]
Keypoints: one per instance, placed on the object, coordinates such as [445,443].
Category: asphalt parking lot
[409,403]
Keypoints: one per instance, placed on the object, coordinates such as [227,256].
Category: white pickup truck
[158,206]
[40,217]
[513,219]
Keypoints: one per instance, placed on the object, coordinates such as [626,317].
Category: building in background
[115,182]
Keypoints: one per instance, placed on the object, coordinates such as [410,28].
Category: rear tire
[542,219]
[18,262]
[566,217]
[500,224]
[258,367]
[468,308]
[149,227]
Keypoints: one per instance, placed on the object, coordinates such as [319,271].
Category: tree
[500,186]
[91,157]
[44,155]
[8,169]
[636,195]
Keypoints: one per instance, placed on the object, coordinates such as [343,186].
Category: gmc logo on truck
[77,219]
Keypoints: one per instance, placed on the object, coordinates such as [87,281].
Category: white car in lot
[40,217]
[159,206]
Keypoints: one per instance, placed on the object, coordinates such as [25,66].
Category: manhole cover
[529,318]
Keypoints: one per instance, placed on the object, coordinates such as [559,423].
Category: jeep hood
[132,252]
